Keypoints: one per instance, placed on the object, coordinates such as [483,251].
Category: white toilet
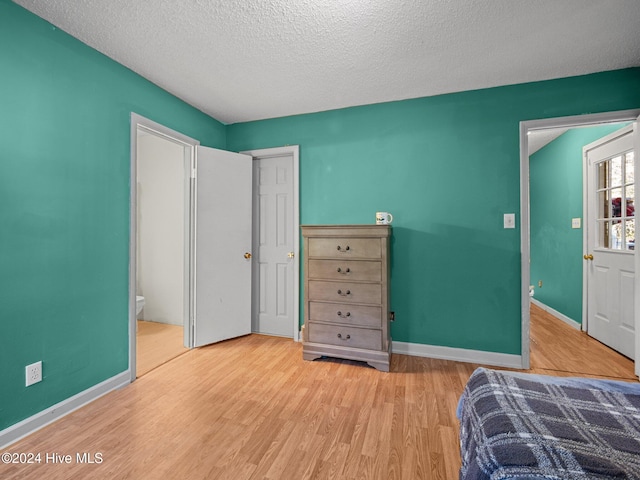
[139,305]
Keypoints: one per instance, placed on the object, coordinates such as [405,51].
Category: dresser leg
[381,366]
[310,356]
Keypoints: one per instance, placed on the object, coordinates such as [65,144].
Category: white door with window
[222,258]
[275,241]
[611,240]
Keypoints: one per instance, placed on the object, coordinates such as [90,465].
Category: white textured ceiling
[241,60]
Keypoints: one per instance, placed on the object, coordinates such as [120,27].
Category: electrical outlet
[33,373]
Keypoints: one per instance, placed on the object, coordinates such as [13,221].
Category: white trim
[525,248]
[49,415]
[560,316]
[610,142]
[585,239]
[457,354]
[548,123]
[138,121]
[294,151]
[636,149]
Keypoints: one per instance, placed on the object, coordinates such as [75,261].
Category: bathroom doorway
[162,206]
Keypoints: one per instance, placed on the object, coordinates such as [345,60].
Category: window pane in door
[603,168]
[616,236]
[616,202]
[603,204]
[631,234]
[603,234]
[616,171]
[629,168]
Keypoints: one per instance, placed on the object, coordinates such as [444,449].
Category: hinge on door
[193,173]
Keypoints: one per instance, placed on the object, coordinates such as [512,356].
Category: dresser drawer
[345,270]
[345,292]
[345,336]
[360,315]
[345,247]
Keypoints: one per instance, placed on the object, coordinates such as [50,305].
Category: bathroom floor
[157,343]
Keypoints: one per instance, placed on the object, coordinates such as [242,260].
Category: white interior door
[222,246]
[611,241]
[275,243]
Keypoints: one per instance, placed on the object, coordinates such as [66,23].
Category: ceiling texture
[243,60]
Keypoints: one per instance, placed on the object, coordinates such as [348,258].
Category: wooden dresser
[346,293]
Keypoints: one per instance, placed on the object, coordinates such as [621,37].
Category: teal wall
[64,196]
[448,168]
[555,197]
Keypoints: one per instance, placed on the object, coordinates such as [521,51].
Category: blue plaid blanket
[525,426]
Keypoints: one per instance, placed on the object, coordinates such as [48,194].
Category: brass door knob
[291,254]
[588,257]
[247,255]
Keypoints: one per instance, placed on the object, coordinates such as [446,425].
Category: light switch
[576,223]
[509,220]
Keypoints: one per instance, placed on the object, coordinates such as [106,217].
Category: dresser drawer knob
[347,315]
[345,249]
[347,337]
[348,292]
[344,272]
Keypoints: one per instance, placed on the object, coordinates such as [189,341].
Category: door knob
[291,254]
[247,255]
[588,257]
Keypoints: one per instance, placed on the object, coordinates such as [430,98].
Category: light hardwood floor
[558,349]
[251,408]
[157,343]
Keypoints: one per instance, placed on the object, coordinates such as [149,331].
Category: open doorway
[558,223]
[162,218]
[536,224]
[160,248]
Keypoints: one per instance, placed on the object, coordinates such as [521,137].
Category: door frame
[525,246]
[154,128]
[294,151]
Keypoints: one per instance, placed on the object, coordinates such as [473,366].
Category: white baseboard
[557,314]
[41,419]
[458,354]
[163,322]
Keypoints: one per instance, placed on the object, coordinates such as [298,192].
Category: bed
[525,426]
